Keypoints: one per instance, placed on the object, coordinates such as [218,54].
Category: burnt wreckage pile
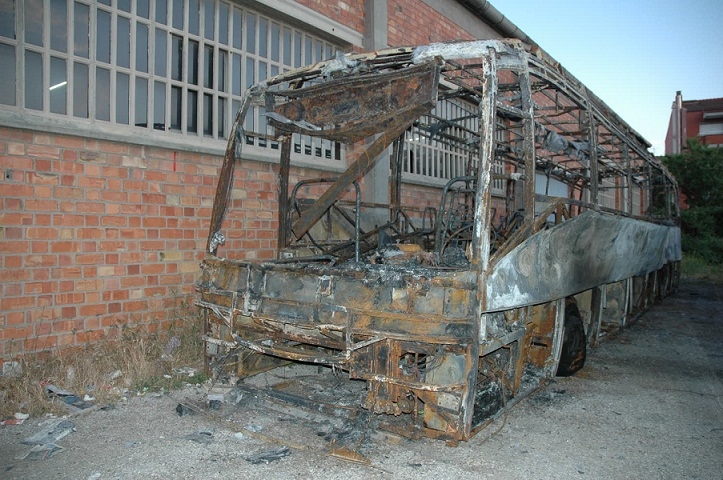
[531,219]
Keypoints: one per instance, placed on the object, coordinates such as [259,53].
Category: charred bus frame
[448,309]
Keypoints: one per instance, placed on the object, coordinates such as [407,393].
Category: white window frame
[430,161]
[225,98]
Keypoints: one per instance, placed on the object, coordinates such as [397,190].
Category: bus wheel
[574,349]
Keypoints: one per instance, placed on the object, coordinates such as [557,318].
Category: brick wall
[347,12]
[93,233]
[412,22]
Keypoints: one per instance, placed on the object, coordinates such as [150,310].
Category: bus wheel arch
[574,343]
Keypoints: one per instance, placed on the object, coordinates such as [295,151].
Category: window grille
[177,66]
[444,143]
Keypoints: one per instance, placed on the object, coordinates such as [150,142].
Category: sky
[633,54]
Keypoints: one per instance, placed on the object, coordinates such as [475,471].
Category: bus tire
[574,345]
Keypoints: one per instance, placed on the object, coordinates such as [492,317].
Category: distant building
[701,119]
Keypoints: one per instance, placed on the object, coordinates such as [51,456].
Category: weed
[128,359]
[696,268]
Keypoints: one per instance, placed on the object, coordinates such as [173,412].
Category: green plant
[699,172]
[694,267]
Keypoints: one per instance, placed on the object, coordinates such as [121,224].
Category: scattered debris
[17,419]
[172,344]
[68,397]
[268,456]
[53,431]
[185,408]
[345,453]
[215,400]
[202,436]
[11,369]
[188,371]
[41,452]
[43,442]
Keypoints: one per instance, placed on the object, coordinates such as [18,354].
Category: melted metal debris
[449,51]
[268,456]
[340,63]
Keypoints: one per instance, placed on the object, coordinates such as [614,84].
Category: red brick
[15,190]
[44,178]
[40,260]
[114,221]
[86,285]
[8,289]
[153,269]
[69,298]
[111,246]
[90,207]
[33,288]
[43,328]
[65,340]
[89,310]
[16,303]
[132,232]
[14,318]
[42,151]
[89,259]
[155,291]
[152,245]
[135,306]
[91,182]
[69,220]
[86,336]
[62,247]
[12,261]
[69,142]
[111,196]
[114,172]
[157,198]
[41,205]
[69,193]
[75,168]
[128,282]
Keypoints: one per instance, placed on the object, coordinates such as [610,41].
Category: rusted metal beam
[284,206]
[351,110]
[357,170]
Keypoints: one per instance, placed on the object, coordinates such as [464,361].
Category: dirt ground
[648,404]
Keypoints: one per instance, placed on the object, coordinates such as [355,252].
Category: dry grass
[130,360]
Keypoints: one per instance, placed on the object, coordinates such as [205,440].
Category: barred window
[177,66]
[638,200]
[436,146]
[607,193]
[443,144]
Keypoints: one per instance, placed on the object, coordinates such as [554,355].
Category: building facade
[114,116]
[694,119]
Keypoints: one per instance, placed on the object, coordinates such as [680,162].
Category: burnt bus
[518,222]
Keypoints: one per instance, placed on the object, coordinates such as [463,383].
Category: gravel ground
[647,405]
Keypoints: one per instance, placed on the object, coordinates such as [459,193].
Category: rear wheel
[574,347]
